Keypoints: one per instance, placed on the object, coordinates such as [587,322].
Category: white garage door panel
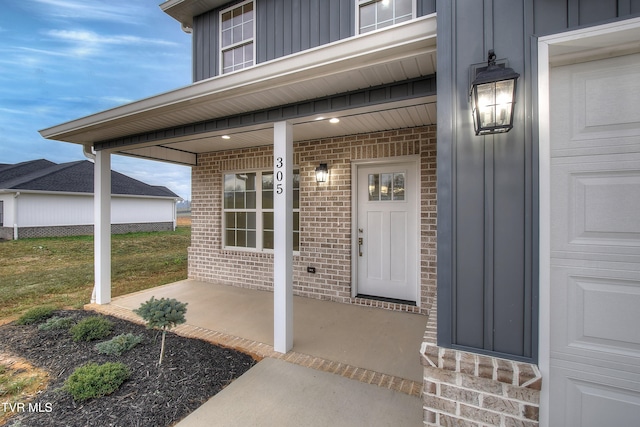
[595,243]
[597,201]
[602,104]
[593,403]
[594,313]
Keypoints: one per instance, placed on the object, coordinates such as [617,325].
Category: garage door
[595,243]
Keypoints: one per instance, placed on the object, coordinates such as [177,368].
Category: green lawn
[59,271]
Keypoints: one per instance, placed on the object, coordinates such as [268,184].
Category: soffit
[404,114]
[183,11]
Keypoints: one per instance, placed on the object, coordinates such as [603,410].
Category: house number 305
[279,175]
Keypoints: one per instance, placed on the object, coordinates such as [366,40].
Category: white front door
[594,360]
[386,237]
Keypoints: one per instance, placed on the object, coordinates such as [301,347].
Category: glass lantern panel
[504,97]
[486,107]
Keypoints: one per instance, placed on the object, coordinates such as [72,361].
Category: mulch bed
[191,372]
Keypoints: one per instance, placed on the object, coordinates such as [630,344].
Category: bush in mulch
[192,371]
[91,329]
[120,344]
[92,380]
[35,315]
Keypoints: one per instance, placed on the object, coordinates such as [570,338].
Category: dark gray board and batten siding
[488,186]
[283,27]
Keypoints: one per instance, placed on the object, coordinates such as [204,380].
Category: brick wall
[325,215]
[465,389]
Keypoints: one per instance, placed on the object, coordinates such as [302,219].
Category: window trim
[360,3]
[259,212]
[222,49]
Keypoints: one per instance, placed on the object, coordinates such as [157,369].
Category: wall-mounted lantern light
[322,172]
[493,98]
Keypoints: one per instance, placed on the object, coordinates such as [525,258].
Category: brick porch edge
[260,350]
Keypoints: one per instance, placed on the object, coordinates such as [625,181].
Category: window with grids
[236,37]
[248,210]
[383,13]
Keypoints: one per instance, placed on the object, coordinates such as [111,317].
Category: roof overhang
[183,11]
[394,54]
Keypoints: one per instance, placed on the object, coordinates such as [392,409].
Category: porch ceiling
[394,54]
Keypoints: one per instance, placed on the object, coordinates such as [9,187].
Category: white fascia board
[386,45]
[69,193]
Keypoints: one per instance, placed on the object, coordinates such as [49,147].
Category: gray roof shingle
[73,177]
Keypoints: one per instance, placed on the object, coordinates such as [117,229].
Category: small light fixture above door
[322,173]
[493,98]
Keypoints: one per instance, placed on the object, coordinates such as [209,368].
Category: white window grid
[380,22]
[260,224]
[237,37]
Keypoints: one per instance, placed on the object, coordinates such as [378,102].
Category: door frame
[415,168]
[562,49]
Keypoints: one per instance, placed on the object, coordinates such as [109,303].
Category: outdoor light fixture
[322,172]
[493,98]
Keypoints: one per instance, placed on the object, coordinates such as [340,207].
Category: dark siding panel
[290,26]
[426,7]
[553,16]
[550,16]
[469,195]
[510,187]
[597,11]
[205,46]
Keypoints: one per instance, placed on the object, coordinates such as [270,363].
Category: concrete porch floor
[375,347]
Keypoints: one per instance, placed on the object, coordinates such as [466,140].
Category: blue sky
[64,59]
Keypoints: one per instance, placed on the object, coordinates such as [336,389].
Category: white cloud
[117,100]
[82,36]
[124,12]
[90,43]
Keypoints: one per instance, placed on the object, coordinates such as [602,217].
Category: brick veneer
[465,389]
[325,215]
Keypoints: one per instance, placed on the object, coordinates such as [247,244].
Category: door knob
[360,246]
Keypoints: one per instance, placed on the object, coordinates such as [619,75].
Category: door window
[387,186]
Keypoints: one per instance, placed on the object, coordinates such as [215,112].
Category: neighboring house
[40,198]
[527,321]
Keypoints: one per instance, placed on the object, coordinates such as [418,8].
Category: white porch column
[283,237]
[102,227]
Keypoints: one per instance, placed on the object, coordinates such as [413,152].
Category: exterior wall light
[493,98]
[322,172]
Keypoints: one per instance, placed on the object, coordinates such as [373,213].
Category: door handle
[360,246]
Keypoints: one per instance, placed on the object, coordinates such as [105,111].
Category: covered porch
[373,346]
[376,83]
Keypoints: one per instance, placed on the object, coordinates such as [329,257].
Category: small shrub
[119,344]
[91,328]
[56,323]
[92,380]
[35,315]
[163,314]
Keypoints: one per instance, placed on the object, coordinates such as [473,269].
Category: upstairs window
[375,14]
[237,28]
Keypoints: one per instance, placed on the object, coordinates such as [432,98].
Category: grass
[59,271]
[18,382]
